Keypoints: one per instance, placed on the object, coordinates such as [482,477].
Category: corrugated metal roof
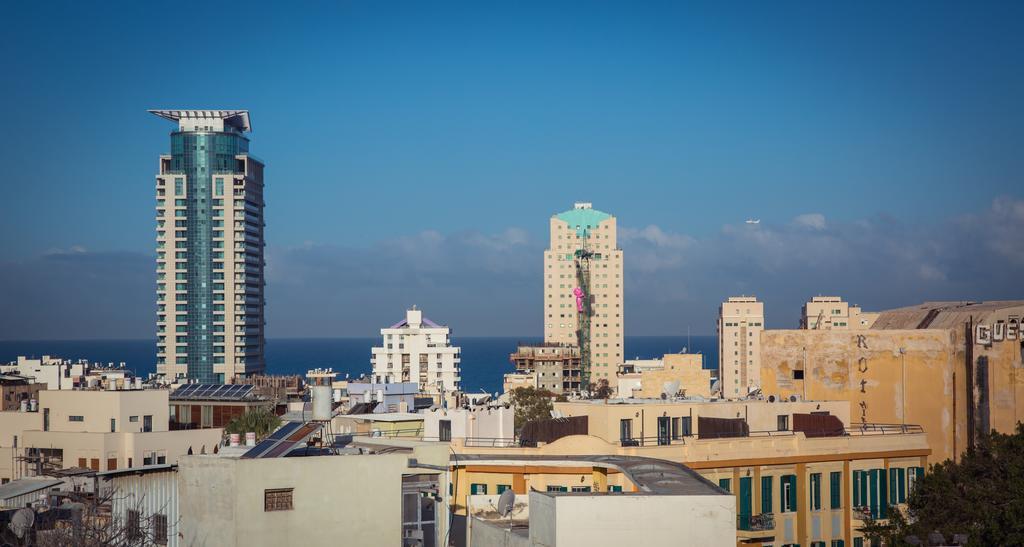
[21,487]
[942,315]
[651,475]
[138,470]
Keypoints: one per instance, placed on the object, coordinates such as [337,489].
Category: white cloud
[811,220]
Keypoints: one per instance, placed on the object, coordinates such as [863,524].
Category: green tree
[260,420]
[531,403]
[981,496]
[601,389]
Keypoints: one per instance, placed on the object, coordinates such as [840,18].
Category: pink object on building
[578,293]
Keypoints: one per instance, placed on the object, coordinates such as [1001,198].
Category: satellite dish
[771,398]
[505,502]
[670,388]
[716,386]
[22,521]
[792,398]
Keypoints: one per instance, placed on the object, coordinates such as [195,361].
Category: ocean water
[484,359]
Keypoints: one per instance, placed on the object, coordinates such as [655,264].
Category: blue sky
[416,150]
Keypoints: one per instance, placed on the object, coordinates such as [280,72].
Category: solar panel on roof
[259,449]
[285,430]
[280,449]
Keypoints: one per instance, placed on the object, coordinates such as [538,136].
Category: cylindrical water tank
[33,405]
[24,405]
[138,382]
[250,438]
[321,396]
[235,437]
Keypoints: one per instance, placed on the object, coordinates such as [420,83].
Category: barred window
[132,525]
[277,499]
[160,529]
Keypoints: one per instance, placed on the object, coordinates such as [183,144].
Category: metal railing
[755,523]
[651,441]
[884,429]
[491,442]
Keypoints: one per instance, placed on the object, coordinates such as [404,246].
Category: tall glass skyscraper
[209,213]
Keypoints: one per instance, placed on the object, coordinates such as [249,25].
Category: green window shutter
[503,487]
[835,489]
[901,484]
[477,488]
[614,488]
[724,484]
[838,543]
[766,494]
[883,498]
[893,475]
[858,542]
[745,502]
[856,489]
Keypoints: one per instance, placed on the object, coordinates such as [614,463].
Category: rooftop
[21,487]
[650,475]
[239,119]
[212,392]
[582,219]
[940,315]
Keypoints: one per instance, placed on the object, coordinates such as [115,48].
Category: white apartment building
[579,228]
[419,350]
[740,322]
[56,373]
[831,312]
[209,245]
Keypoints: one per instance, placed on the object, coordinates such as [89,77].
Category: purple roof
[404,323]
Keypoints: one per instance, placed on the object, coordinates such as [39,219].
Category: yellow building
[679,374]
[831,312]
[939,365]
[802,487]
[579,228]
[740,322]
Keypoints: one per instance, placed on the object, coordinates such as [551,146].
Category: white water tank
[24,405]
[138,382]
[322,399]
[250,438]
[33,405]
[235,439]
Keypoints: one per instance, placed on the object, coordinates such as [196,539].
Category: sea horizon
[485,359]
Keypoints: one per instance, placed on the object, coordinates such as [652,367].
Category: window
[133,419]
[614,488]
[113,425]
[766,494]
[147,423]
[277,499]
[788,483]
[131,526]
[46,420]
[477,488]
[898,485]
[687,426]
[503,487]
[557,489]
[838,543]
[798,374]
[626,430]
[815,491]
[783,422]
[835,480]
[725,484]
[76,418]
[160,529]
[444,431]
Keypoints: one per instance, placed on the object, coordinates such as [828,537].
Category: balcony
[755,523]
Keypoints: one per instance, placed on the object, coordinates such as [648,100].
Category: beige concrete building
[578,232]
[831,312]
[679,374]
[379,497]
[419,350]
[209,246]
[740,322]
[938,365]
[100,430]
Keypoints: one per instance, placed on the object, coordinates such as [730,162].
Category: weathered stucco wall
[893,376]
